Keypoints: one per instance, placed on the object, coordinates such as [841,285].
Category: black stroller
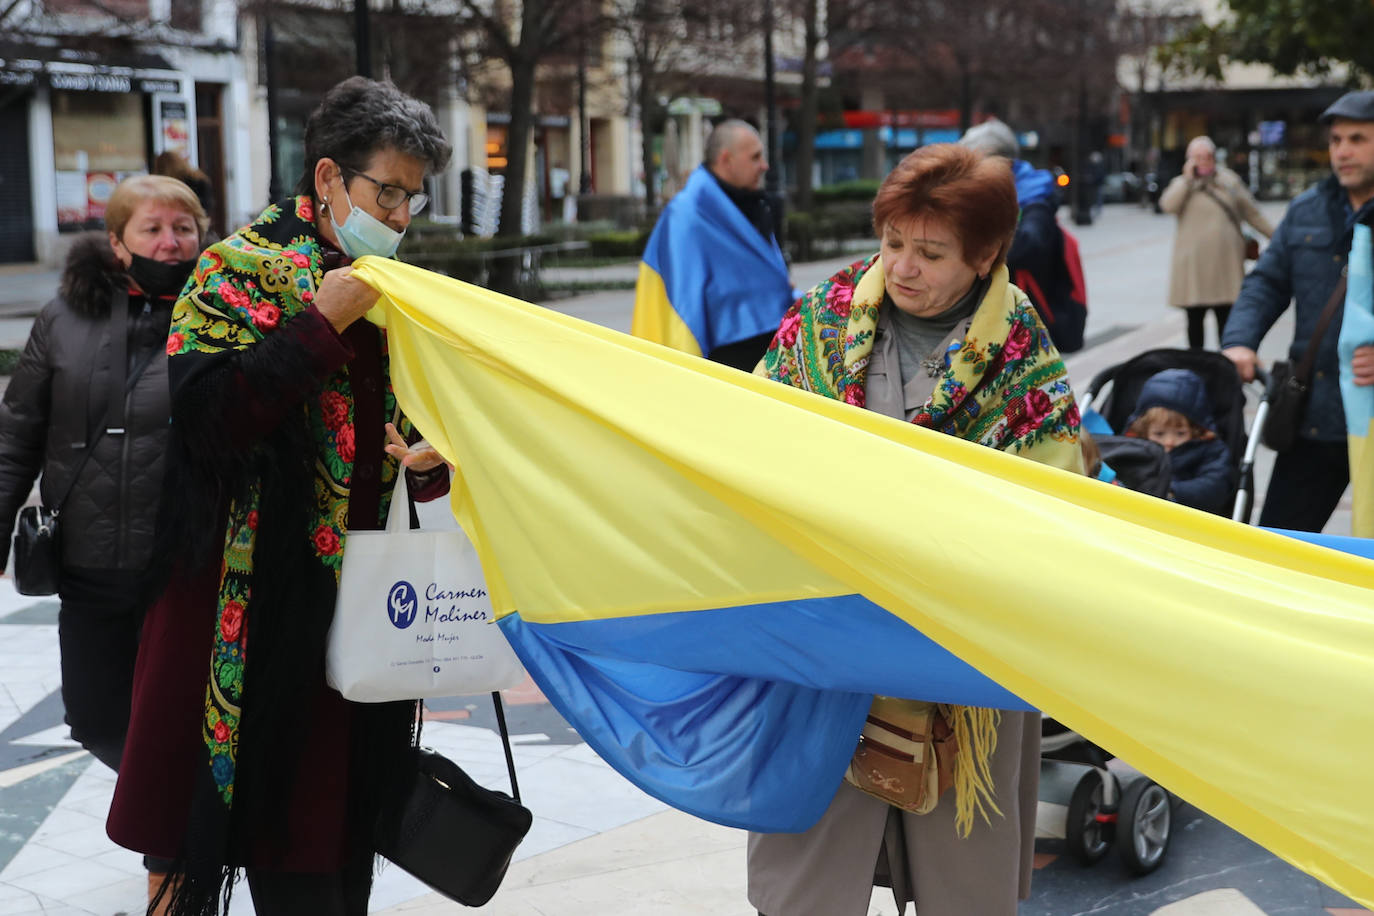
[1113,393]
[1082,801]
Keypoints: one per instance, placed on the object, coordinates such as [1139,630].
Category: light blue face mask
[361,233]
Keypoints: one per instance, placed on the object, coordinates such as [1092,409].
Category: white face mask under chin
[361,233]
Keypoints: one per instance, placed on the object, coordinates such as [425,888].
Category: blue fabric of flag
[794,684]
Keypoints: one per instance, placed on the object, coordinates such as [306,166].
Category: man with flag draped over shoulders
[713,281]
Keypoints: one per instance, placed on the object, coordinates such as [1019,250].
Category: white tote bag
[413,618]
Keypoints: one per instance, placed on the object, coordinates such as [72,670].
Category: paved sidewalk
[56,860]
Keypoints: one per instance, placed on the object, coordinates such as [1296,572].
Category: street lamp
[269,52]
[584,123]
[770,101]
[772,178]
[362,39]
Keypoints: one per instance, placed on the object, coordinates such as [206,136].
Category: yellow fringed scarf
[975,730]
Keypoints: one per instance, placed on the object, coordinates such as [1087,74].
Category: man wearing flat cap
[1304,264]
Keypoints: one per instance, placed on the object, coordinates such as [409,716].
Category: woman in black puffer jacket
[58,406]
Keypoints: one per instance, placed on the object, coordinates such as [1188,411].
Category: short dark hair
[723,135]
[358,118]
[972,192]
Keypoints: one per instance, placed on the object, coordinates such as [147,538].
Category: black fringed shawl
[264,450]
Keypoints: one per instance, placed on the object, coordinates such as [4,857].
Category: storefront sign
[943,117]
[174,125]
[1271,132]
[90,82]
[707,108]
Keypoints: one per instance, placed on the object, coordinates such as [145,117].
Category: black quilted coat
[58,400]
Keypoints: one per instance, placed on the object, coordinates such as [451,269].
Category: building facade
[90,94]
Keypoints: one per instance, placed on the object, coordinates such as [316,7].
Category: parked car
[1121,187]
[1154,187]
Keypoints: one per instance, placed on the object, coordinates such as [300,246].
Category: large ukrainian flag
[708,277]
[709,574]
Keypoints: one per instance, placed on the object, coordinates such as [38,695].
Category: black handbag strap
[1235,220]
[505,742]
[119,362]
[114,408]
[1303,370]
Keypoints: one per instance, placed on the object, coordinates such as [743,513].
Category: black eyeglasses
[391,196]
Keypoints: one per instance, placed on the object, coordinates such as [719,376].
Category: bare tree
[672,47]
[523,39]
[1039,56]
[655,37]
[810,95]
[1147,33]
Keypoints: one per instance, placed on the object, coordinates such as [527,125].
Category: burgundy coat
[165,750]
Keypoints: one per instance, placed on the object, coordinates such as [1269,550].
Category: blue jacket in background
[1303,263]
[1037,249]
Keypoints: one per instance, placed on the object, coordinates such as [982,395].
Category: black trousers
[341,893]
[1306,486]
[743,354]
[98,628]
[1197,316]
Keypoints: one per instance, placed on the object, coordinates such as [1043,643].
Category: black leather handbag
[37,552]
[1289,384]
[451,833]
[1287,403]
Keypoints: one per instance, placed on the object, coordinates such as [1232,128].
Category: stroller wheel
[1088,827]
[1143,827]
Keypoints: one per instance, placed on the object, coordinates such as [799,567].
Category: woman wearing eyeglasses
[239,755]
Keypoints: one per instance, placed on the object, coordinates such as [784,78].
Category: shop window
[187,15]
[98,140]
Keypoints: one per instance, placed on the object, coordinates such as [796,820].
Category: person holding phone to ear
[1208,262]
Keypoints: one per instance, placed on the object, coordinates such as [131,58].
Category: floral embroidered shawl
[242,290]
[1005,387]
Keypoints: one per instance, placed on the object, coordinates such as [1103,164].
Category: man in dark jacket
[1304,263]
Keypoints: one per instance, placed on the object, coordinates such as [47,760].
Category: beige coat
[1209,251]
[829,869]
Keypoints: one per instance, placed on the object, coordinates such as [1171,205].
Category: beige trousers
[829,869]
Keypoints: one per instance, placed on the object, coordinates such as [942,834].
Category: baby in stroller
[1174,410]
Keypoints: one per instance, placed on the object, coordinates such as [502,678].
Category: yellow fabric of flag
[604,477]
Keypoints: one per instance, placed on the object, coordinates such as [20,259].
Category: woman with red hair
[929,331]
